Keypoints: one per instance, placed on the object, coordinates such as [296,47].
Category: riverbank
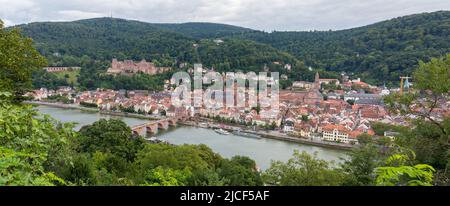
[277,135]
[94,110]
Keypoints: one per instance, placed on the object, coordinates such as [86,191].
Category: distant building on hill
[320,81]
[61,69]
[302,85]
[314,85]
[131,67]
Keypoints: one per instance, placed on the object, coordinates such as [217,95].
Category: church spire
[317,77]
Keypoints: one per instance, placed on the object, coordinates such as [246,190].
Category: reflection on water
[261,150]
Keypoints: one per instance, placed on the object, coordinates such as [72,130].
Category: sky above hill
[265,15]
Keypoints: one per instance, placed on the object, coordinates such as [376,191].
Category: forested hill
[72,43]
[105,38]
[378,52]
[200,30]
[381,51]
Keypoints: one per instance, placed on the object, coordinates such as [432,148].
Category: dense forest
[378,53]
[204,30]
[382,51]
[105,38]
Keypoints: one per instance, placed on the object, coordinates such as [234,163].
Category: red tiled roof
[331,127]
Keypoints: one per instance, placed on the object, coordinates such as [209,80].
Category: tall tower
[317,82]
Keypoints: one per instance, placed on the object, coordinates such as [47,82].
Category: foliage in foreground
[18,58]
[303,169]
[37,150]
[28,141]
[399,174]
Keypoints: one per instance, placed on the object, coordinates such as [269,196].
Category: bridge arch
[153,127]
[163,124]
[172,122]
[135,133]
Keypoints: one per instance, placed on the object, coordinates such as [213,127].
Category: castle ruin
[131,67]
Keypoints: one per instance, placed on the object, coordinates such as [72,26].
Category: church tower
[317,81]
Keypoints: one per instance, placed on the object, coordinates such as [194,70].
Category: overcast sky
[265,15]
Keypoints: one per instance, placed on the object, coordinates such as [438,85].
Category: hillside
[204,30]
[69,43]
[379,52]
[104,38]
[382,51]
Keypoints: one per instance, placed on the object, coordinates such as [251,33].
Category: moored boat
[246,134]
[221,131]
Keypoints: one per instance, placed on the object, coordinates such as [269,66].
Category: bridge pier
[163,125]
[138,131]
[172,122]
[152,129]
[135,133]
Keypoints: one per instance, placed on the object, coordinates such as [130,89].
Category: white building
[336,133]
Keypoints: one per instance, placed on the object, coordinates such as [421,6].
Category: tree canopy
[18,58]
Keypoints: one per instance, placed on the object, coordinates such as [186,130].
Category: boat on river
[155,140]
[221,131]
[246,134]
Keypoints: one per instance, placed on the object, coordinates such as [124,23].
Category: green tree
[80,171]
[28,142]
[305,118]
[169,156]
[112,136]
[399,174]
[303,170]
[18,59]
[362,161]
[19,169]
[239,171]
[430,136]
[167,177]
[431,85]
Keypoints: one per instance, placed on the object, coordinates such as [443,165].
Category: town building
[337,133]
[131,67]
[320,81]
[61,69]
[302,85]
[359,96]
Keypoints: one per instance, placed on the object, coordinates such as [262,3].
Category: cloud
[76,14]
[258,14]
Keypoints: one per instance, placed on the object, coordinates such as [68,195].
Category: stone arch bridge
[151,128]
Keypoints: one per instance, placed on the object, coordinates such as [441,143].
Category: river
[263,150]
